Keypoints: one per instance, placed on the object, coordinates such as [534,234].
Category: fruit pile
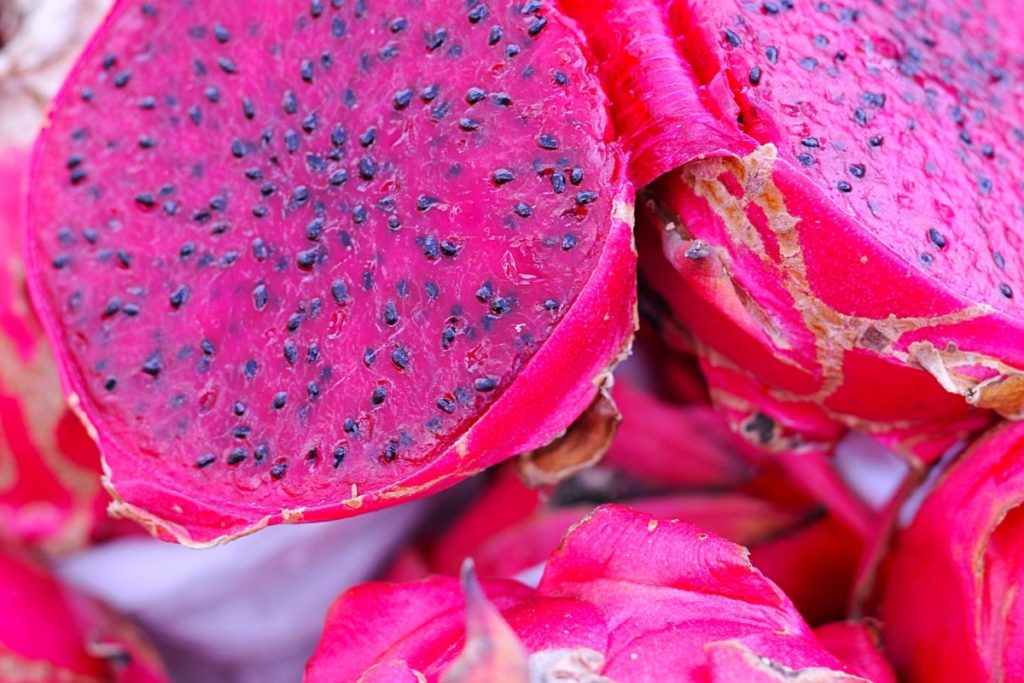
[654,279]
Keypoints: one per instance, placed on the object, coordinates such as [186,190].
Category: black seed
[754,76]
[875,140]
[467,124]
[250,368]
[78,175]
[431,248]
[523,210]
[367,168]
[241,432]
[926,258]
[291,352]
[485,292]
[857,170]
[179,296]
[259,296]
[368,137]
[502,99]
[278,470]
[205,460]
[122,78]
[999,260]
[359,214]
[314,229]
[551,305]
[936,237]
[439,111]
[495,36]
[576,175]
[400,357]
[988,151]
[309,123]
[238,408]
[501,305]
[146,142]
[446,405]
[558,183]
[152,366]
[402,98]
[732,38]
[811,142]
[369,357]
[436,39]
[237,456]
[339,292]
[447,337]
[503,176]
[547,141]
[207,347]
[844,186]
[432,290]
[568,242]
[478,14]
[146,200]
[313,390]
[306,70]
[367,281]
[379,394]
[295,320]
[474,95]
[586,197]
[112,307]
[485,383]
[805,159]
[536,26]
[291,141]
[338,177]
[1006,291]
[390,313]
[260,453]
[512,51]
[772,53]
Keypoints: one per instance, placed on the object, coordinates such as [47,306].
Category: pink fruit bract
[50,494]
[627,596]
[332,256]
[49,633]
[831,166]
[966,545]
[858,644]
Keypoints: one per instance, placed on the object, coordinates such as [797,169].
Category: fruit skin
[964,544]
[50,493]
[636,597]
[788,282]
[51,633]
[556,384]
[858,643]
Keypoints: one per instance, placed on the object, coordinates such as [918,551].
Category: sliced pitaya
[50,493]
[307,258]
[843,209]
[626,596]
[50,633]
[965,544]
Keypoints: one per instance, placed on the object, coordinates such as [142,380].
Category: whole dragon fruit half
[303,259]
[50,493]
[50,633]
[840,226]
[965,544]
[627,597]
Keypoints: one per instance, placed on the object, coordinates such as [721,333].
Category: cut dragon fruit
[306,259]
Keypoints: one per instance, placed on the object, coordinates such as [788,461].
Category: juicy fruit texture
[50,633]
[304,259]
[966,544]
[847,205]
[708,615]
[50,493]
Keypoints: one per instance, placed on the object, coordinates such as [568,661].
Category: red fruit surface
[829,166]
[51,634]
[626,596]
[951,607]
[50,493]
[858,644]
[305,260]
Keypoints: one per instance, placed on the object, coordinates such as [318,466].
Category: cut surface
[293,251]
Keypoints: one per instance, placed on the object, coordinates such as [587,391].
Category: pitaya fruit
[50,493]
[306,259]
[859,645]
[627,597]
[50,633]
[841,219]
[966,546]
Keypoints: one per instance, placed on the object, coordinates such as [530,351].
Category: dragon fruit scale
[627,597]
[838,208]
[306,259]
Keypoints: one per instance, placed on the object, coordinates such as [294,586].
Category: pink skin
[50,633]
[653,599]
[802,316]
[50,493]
[859,645]
[965,544]
[548,362]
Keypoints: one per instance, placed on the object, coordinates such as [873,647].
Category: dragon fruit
[839,208]
[706,614]
[964,544]
[858,644]
[306,259]
[50,493]
[50,633]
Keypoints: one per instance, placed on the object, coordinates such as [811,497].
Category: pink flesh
[156,429]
